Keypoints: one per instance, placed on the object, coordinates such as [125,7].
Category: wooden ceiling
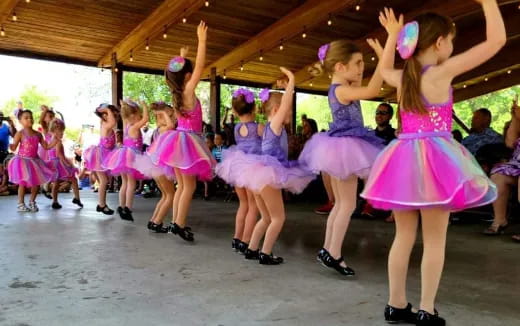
[241,31]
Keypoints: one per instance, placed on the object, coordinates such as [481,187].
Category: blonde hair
[339,51]
[128,109]
[275,99]
[56,125]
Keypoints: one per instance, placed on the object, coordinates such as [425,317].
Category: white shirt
[147,136]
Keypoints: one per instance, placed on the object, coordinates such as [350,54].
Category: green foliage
[72,134]
[32,98]
[149,88]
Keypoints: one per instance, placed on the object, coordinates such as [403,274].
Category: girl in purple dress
[248,136]
[94,155]
[425,174]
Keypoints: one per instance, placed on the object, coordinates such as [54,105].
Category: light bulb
[329,22]
[486,79]
[358,7]
[206,3]
[373,58]
[15,18]
[465,86]
[261,58]
[509,72]
[27,1]
[281,47]
[2,31]
[184,20]
[304,35]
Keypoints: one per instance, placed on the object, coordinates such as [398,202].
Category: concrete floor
[77,267]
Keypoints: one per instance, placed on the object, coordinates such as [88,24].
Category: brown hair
[43,123]
[431,27]
[339,51]
[113,108]
[128,109]
[241,107]
[275,98]
[56,124]
[175,81]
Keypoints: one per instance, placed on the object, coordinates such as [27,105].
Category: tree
[32,98]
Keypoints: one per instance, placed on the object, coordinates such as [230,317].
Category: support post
[293,122]
[117,81]
[214,99]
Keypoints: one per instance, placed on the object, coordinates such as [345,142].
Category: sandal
[495,229]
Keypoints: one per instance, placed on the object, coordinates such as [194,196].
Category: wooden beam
[494,84]
[311,13]
[214,100]
[456,9]
[117,82]
[168,12]
[6,10]
[45,56]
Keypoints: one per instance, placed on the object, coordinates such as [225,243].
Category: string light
[358,7]
[310,84]
[224,76]
[132,56]
[281,45]
[261,56]
[165,35]
[465,86]
[15,18]
[27,1]
[2,31]
[329,22]
[330,76]
[206,3]
[304,34]
[509,72]
[241,65]
[116,69]
[486,79]
[184,18]
[382,88]
[373,58]
[147,47]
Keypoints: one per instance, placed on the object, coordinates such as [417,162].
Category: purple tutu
[28,172]
[185,151]
[427,170]
[339,157]
[94,156]
[232,166]
[62,170]
[260,171]
[121,161]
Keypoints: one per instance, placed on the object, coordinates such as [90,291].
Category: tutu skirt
[185,151]
[255,172]
[62,170]
[427,170]
[121,161]
[94,156]
[28,172]
[232,166]
[144,164]
[339,157]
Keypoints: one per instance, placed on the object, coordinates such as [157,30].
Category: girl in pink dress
[46,117]
[183,148]
[121,160]
[162,174]
[425,174]
[61,166]
[26,169]
[94,155]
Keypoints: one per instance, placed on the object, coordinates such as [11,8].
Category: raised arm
[144,120]
[16,141]
[286,103]
[200,61]
[55,140]
[495,40]
[513,132]
[392,26]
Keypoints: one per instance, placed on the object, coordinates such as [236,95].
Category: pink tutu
[28,172]
[232,166]
[62,170]
[144,164]
[93,157]
[186,151]
[255,172]
[340,157]
[427,170]
[121,161]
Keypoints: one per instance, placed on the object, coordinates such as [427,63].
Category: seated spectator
[481,133]
[219,145]
[506,175]
[384,115]
[7,130]
[310,127]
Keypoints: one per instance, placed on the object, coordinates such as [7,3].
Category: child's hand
[143,104]
[389,21]
[376,46]
[287,73]
[184,51]
[202,31]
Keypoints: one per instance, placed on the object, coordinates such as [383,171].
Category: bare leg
[346,202]
[34,193]
[332,216]
[55,186]
[178,193]
[241,212]
[122,191]
[405,234]
[252,213]
[327,183]
[276,210]
[504,184]
[434,230]
[261,225]
[168,192]
[21,194]
[160,202]
[130,191]
[189,183]
[75,187]
[102,192]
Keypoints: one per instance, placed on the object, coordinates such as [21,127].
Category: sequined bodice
[438,119]
[274,145]
[29,145]
[135,143]
[52,152]
[191,120]
[251,143]
[344,116]
[108,142]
